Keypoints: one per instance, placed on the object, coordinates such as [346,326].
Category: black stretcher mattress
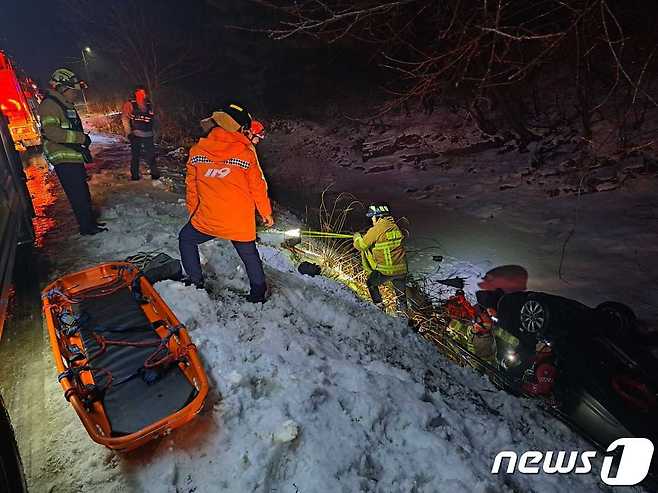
[130,403]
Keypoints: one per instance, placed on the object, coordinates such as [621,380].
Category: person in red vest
[138,119]
[539,377]
[225,187]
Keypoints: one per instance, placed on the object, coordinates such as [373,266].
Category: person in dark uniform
[138,121]
[66,146]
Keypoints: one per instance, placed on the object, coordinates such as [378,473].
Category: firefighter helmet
[63,77]
[232,117]
[239,114]
[378,210]
[258,129]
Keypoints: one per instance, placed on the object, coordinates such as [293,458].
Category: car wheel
[533,316]
[621,313]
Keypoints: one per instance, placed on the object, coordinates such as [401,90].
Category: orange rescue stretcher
[125,362]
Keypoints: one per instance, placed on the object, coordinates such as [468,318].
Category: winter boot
[93,230]
[189,282]
[257,294]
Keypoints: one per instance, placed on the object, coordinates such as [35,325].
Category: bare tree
[151,41]
[493,51]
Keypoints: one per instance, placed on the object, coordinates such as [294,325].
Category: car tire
[534,316]
[12,479]
[622,314]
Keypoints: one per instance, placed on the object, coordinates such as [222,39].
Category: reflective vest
[141,120]
[61,130]
[382,248]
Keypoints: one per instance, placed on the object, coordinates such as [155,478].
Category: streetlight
[85,51]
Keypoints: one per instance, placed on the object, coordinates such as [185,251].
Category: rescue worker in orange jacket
[225,187]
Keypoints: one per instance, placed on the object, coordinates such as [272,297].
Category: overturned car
[607,380]
[596,368]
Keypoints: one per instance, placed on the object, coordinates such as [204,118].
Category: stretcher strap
[87,393]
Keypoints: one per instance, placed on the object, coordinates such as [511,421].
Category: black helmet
[238,113]
[378,210]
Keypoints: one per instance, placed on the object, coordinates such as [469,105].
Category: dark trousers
[142,146]
[73,178]
[189,240]
[376,279]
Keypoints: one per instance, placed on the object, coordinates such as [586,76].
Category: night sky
[33,35]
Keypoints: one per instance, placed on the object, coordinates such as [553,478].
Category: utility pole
[85,50]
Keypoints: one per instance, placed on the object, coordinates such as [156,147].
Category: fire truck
[18,130]
[15,229]
[18,99]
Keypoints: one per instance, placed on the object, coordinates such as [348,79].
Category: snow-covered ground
[315,391]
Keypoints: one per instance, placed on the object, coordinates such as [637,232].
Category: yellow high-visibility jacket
[61,129]
[382,248]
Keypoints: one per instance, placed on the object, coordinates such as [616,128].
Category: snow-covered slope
[315,391]
[322,392]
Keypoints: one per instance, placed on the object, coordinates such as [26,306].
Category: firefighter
[225,186]
[383,255]
[138,121]
[539,377]
[66,146]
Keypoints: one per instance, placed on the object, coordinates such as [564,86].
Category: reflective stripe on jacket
[136,121]
[225,185]
[61,130]
[382,248]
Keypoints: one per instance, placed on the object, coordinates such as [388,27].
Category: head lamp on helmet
[65,78]
[378,210]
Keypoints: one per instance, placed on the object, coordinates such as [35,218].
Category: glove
[87,141]
[268,221]
[86,155]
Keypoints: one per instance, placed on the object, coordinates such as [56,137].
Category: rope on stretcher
[108,289]
[153,360]
[161,356]
[87,393]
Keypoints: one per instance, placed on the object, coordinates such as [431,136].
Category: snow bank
[322,392]
[314,391]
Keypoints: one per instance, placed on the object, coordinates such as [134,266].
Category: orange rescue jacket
[225,185]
